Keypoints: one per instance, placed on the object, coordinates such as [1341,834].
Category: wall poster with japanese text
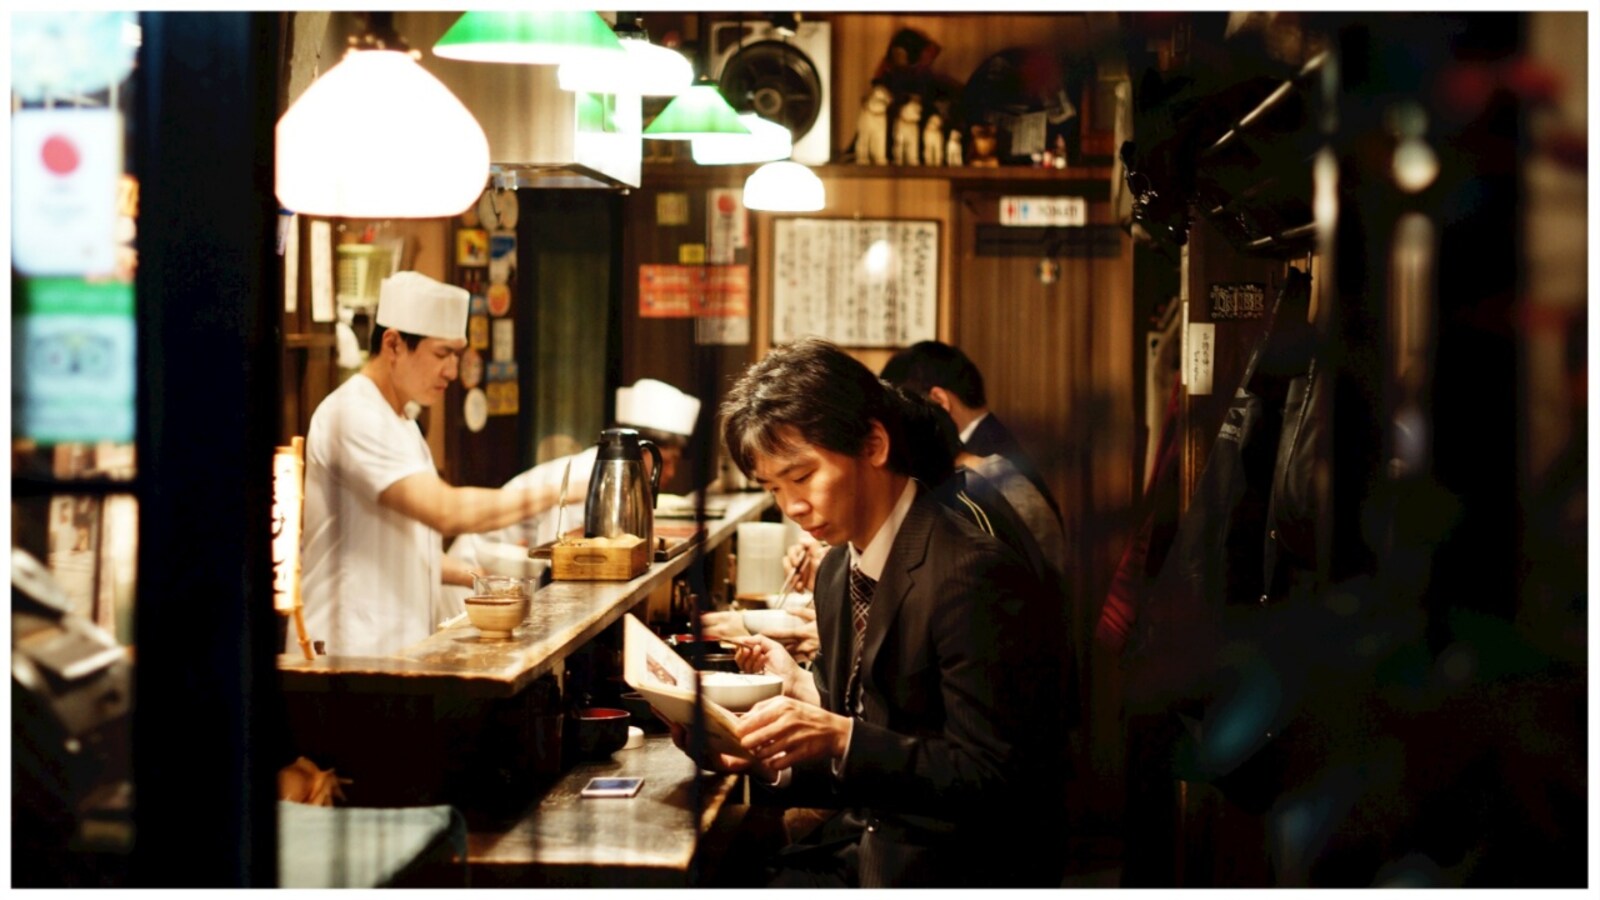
[855,282]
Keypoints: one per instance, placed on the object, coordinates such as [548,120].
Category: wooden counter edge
[406,673]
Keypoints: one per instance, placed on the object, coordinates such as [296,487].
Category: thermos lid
[618,443]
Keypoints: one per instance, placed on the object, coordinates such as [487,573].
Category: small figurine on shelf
[872,127]
[983,145]
[933,141]
[907,128]
[952,148]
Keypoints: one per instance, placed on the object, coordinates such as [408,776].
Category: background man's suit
[992,436]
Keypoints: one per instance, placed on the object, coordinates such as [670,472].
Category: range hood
[539,135]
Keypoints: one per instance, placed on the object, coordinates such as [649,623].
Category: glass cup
[502,586]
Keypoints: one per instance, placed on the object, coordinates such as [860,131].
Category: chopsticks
[792,581]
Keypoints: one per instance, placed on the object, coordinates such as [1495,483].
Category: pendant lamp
[649,70]
[766,142]
[378,137]
[784,187]
[551,37]
[697,112]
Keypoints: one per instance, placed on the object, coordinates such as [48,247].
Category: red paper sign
[682,292]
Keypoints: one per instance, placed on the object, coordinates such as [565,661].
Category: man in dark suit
[947,377]
[933,713]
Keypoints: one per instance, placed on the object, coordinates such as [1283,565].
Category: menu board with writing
[855,282]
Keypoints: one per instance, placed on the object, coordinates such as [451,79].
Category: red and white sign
[667,292]
[1025,211]
[729,225]
[65,165]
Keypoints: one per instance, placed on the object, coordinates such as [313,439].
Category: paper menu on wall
[857,283]
[667,682]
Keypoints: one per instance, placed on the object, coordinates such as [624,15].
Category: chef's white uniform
[370,575]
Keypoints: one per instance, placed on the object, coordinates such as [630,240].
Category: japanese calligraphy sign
[856,282]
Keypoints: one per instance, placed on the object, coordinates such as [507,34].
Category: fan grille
[775,81]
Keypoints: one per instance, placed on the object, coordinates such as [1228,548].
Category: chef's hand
[718,762]
[783,731]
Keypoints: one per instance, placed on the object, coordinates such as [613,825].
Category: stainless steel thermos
[621,500]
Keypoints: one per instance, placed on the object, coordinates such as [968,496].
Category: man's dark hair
[927,442]
[929,364]
[822,392]
[375,343]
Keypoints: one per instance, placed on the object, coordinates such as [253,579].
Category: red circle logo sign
[725,204]
[499,299]
[59,155]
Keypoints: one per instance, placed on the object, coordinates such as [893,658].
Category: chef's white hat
[416,304]
[657,406]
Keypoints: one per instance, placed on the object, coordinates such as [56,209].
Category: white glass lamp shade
[649,71]
[377,137]
[766,142]
[784,187]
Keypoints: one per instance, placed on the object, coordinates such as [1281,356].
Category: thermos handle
[655,472]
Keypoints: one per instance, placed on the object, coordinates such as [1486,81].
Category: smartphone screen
[612,787]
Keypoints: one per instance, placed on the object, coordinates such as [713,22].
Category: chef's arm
[455,571]
[452,510]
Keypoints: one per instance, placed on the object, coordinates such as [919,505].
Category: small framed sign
[1238,300]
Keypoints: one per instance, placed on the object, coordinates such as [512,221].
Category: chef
[657,410]
[375,506]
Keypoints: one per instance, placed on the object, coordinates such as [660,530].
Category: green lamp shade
[697,112]
[533,38]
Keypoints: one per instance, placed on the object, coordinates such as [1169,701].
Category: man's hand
[783,731]
[717,762]
[804,556]
[763,654]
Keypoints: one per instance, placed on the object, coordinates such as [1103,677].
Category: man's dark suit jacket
[992,436]
[954,765]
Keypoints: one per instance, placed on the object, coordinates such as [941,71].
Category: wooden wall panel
[665,348]
[1058,364]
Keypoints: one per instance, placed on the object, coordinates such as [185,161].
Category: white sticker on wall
[1199,348]
[503,337]
[475,410]
[321,270]
[65,164]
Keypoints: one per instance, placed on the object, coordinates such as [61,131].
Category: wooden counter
[564,616]
[564,839]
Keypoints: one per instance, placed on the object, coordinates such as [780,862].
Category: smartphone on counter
[611,787]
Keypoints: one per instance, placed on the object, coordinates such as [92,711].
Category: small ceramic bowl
[496,617]
[596,733]
[738,691]
[761,621]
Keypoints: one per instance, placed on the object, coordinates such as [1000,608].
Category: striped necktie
[861,588]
